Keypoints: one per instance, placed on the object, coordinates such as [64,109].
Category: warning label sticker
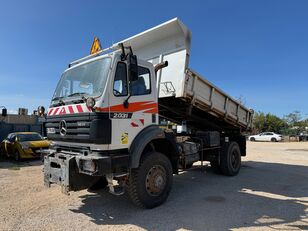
[124,138]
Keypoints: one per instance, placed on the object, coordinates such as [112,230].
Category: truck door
[142,108]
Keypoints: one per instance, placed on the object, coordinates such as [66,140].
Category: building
[19,123]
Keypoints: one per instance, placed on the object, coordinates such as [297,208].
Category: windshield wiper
[61,102]
[77,93]
[57,98]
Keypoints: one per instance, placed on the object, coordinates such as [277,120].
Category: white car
[266,136]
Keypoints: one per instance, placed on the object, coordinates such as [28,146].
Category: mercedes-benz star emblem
[62,127]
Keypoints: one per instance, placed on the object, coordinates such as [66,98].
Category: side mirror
[133,68]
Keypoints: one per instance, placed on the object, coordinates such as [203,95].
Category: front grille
[82,127]
[78,127]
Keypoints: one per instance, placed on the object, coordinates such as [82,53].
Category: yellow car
[22,145]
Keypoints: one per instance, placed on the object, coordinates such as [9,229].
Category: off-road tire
[230,159]
[138,180]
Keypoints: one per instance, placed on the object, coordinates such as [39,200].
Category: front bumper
[72,174]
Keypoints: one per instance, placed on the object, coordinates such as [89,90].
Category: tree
[292,118]
[268,122]
[296,124]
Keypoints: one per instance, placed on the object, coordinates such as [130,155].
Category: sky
[253,50]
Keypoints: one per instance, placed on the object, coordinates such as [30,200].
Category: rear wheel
[274,140]
[230,163]
[150,184]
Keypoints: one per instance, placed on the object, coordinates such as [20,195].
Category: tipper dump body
[184,94]
[205,105]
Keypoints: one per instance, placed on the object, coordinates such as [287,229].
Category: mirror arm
[126,103]
[123,55]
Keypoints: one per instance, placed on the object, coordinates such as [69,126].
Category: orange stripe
[153,111]
[133,107]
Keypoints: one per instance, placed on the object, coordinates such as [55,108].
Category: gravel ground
[270,193]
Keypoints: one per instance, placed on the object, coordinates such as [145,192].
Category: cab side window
[120,80]
[142,86]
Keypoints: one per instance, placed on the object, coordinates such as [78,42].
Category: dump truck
[104,119]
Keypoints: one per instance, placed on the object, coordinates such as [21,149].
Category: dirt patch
[294,150]
[270,193]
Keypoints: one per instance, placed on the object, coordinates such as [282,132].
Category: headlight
[88,165]
[90,102]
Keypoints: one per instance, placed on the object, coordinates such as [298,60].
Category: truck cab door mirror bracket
[126,103]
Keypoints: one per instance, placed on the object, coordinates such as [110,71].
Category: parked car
[22,145]
[303,137]
[266,136]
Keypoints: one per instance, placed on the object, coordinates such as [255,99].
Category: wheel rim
[155,181]
[235,160]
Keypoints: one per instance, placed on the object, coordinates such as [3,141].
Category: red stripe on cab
[79,108]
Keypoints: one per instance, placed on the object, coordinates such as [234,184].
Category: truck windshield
[85,80]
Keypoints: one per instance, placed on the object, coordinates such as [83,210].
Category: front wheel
[252,139]
[150,184]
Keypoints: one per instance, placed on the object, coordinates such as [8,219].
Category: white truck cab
[128,106]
